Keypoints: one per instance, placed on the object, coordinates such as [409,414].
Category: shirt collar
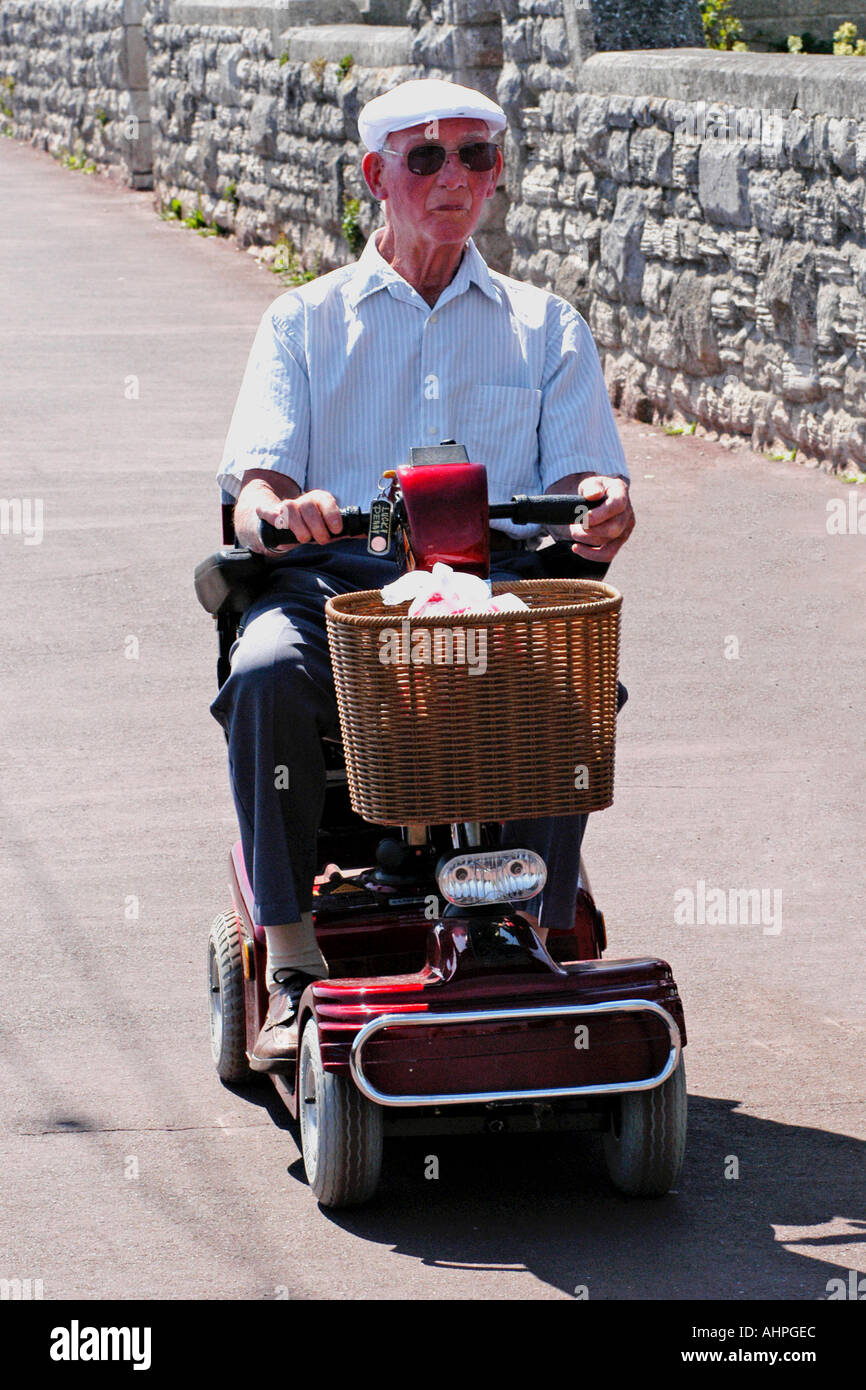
[373,273]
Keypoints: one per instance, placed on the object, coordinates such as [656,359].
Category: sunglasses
[424,160]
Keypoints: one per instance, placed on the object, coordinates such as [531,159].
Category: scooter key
[379,532]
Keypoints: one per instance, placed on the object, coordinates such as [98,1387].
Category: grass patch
[349,225]
[289,267]
[77,161]
[196,219]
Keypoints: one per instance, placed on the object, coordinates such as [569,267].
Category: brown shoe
[276,1047]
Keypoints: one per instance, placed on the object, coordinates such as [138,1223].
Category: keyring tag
[379,532]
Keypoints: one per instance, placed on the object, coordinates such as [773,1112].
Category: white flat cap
[427,99]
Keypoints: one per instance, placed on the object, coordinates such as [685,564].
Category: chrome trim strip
[419,1020]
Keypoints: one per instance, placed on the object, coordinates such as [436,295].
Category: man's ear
[373,167]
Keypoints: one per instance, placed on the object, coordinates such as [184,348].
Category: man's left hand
[607,527]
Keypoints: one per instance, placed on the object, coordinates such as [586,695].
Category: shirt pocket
[501,429]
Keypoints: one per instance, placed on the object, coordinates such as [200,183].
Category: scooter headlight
[493,876]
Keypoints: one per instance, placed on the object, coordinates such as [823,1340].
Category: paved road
[130,1172]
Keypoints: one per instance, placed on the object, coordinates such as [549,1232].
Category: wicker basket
[493,716]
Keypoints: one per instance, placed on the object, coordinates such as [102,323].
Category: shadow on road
[543,1203]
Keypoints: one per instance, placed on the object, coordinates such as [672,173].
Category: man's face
[441,208]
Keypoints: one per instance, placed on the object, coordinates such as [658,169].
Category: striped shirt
[349,371]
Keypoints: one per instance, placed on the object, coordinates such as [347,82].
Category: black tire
[645,1145]
[341,1131]
[225,977]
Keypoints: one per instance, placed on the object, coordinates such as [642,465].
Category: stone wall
[457,39]
[73,80]
[718,251]
[256,124]
[544,46]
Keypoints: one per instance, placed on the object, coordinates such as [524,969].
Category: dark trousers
[278,701]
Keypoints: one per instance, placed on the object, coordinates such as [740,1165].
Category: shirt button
[432,430]
[432,318]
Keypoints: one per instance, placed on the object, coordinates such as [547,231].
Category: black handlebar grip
[551,509]
[354,523]
[272,536]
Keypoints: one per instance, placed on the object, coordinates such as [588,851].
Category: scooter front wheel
[645,1145]
[341,1131]
[225,978]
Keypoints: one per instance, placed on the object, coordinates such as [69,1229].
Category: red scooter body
[388,962]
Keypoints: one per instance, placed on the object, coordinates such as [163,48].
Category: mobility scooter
[444,1009]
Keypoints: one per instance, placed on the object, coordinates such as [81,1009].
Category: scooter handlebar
[355,523]
[548,509]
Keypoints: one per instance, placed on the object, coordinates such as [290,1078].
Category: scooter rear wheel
[646,1142]
[225,976]
[341,1131]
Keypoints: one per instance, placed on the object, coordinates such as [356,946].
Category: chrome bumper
[429,1020]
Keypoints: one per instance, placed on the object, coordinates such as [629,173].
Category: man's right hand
[267,496]
[314,516]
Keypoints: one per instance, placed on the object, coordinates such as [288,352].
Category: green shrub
[345,65]
[846,42]
[804,43]
[721,28]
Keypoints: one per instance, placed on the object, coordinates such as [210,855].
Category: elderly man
[416,342]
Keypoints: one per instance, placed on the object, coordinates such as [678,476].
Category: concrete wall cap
[232,14]
[816,84]
[371,45]
[280,16]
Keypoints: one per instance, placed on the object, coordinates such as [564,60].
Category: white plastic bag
[446,591]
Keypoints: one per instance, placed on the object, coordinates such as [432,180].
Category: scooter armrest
[558,561]
[229,580]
